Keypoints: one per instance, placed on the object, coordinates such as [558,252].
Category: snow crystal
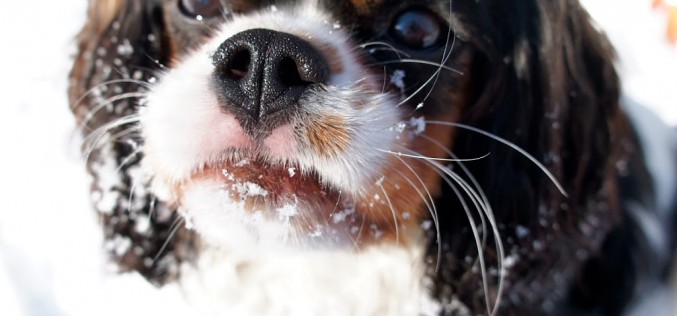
[187,219]
[406,215]
[538,245]
[292,172]
[101,51]
[379,182]
[316,233]
[417,124]
[521,231]
[249,189]
[586,229]
[376,231]
[400,127]
[287,212]
[342,215]
[397,79]
[142,224]
[227,175]
[427,225]
[510,261]
[419,106]
[456,307]
[242,163]
[119,245]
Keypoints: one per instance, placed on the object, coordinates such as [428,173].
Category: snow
[417,124]
[342,215]
[50,245]
[648,64]
[286,212]
[397,79]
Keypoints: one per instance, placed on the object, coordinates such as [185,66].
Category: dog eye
[201,9]
[417,29]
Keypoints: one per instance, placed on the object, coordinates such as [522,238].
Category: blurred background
[50,247]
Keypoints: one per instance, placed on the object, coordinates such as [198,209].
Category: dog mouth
[268,203]
[266,182]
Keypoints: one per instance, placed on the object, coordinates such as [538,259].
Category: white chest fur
[383,280]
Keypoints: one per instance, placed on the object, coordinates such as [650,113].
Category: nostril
[238,67]
[288,73]
[262,74]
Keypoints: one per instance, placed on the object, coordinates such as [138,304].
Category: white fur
[377,281]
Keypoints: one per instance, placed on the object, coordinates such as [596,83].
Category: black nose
[260,72]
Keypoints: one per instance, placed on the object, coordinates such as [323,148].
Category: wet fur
[535,73]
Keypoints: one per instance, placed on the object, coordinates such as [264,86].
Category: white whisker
[432,208]
[473,226]
[400,154]
[78,102]
[434,77]
[173,230]
[482,205]
[389,46]
[419,61]
[509,144]
[128,159]
[392,211]
[97,135]
[490,214]
[91,114]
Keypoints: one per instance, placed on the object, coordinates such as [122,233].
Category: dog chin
[251,204]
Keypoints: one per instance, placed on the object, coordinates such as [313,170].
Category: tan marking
[331,54]
[241,6]
[365,7]
[328,135]
[102,12]
[402,174]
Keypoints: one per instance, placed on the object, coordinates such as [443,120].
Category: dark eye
[417,29]
[201,9]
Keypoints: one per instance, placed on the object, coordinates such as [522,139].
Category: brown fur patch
[329,135]
[333,57]
[365,7]
[102,12]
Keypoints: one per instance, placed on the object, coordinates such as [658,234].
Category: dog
[371,157]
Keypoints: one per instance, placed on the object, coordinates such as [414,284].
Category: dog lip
[276,182]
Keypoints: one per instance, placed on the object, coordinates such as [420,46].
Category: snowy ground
[49,242]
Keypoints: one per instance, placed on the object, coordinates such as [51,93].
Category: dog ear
[548,85]
[121,40]
[121,48]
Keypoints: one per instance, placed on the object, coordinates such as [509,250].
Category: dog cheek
[329,136]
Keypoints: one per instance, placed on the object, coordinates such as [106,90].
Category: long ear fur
[550,87]
[120,49]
